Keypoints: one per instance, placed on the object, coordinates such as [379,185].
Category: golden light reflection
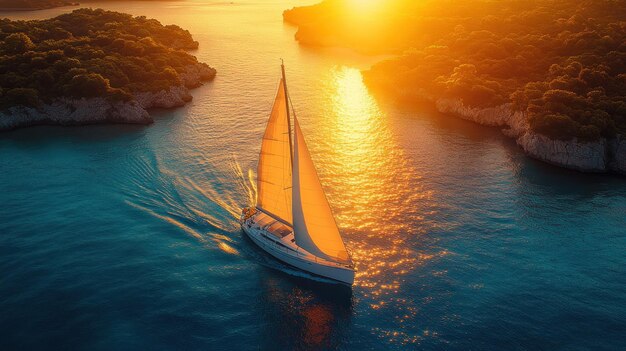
[318,320]
[306,318]
[226,248]
[361,140]
[376,193]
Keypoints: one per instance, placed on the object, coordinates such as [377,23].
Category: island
[28,5]
[94,66]
[551,74]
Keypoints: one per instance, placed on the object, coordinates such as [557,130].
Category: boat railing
[301,254]
[296,252]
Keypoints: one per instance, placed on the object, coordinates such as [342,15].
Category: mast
[282,68]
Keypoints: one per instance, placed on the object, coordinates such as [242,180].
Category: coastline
[10,9]
[602,156]
[100,110]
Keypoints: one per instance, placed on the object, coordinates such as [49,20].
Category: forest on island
[562,62]
[88,53]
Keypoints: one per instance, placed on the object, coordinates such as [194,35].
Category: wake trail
[247,184]
[211,194]
[170,220]
[206,206]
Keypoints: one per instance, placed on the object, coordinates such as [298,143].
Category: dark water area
[125,237]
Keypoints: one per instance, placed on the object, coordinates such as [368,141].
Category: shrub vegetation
[89,53]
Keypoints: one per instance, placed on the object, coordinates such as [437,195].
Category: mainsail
[314,226]
[274,170]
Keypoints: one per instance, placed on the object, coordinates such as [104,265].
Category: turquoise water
[125,237]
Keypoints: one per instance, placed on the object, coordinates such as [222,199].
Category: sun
[364,2]
[364,6]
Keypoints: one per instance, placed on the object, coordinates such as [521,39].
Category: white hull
[285,250]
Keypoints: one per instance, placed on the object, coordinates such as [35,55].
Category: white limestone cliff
[75,112]
[597,156]
[98,110]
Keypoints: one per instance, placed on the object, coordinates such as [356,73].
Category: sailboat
[292,220]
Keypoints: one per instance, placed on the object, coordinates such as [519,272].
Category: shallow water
[125,237]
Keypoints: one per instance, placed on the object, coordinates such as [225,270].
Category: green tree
[17,43]
[87,85]
[19,96]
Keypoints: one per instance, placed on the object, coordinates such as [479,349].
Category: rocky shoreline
[99,110]
[599,156]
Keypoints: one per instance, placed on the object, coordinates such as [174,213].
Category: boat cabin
[268,223]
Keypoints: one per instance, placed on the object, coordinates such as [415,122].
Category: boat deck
[271,225]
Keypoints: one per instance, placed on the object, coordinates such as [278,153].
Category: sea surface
[125,237]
